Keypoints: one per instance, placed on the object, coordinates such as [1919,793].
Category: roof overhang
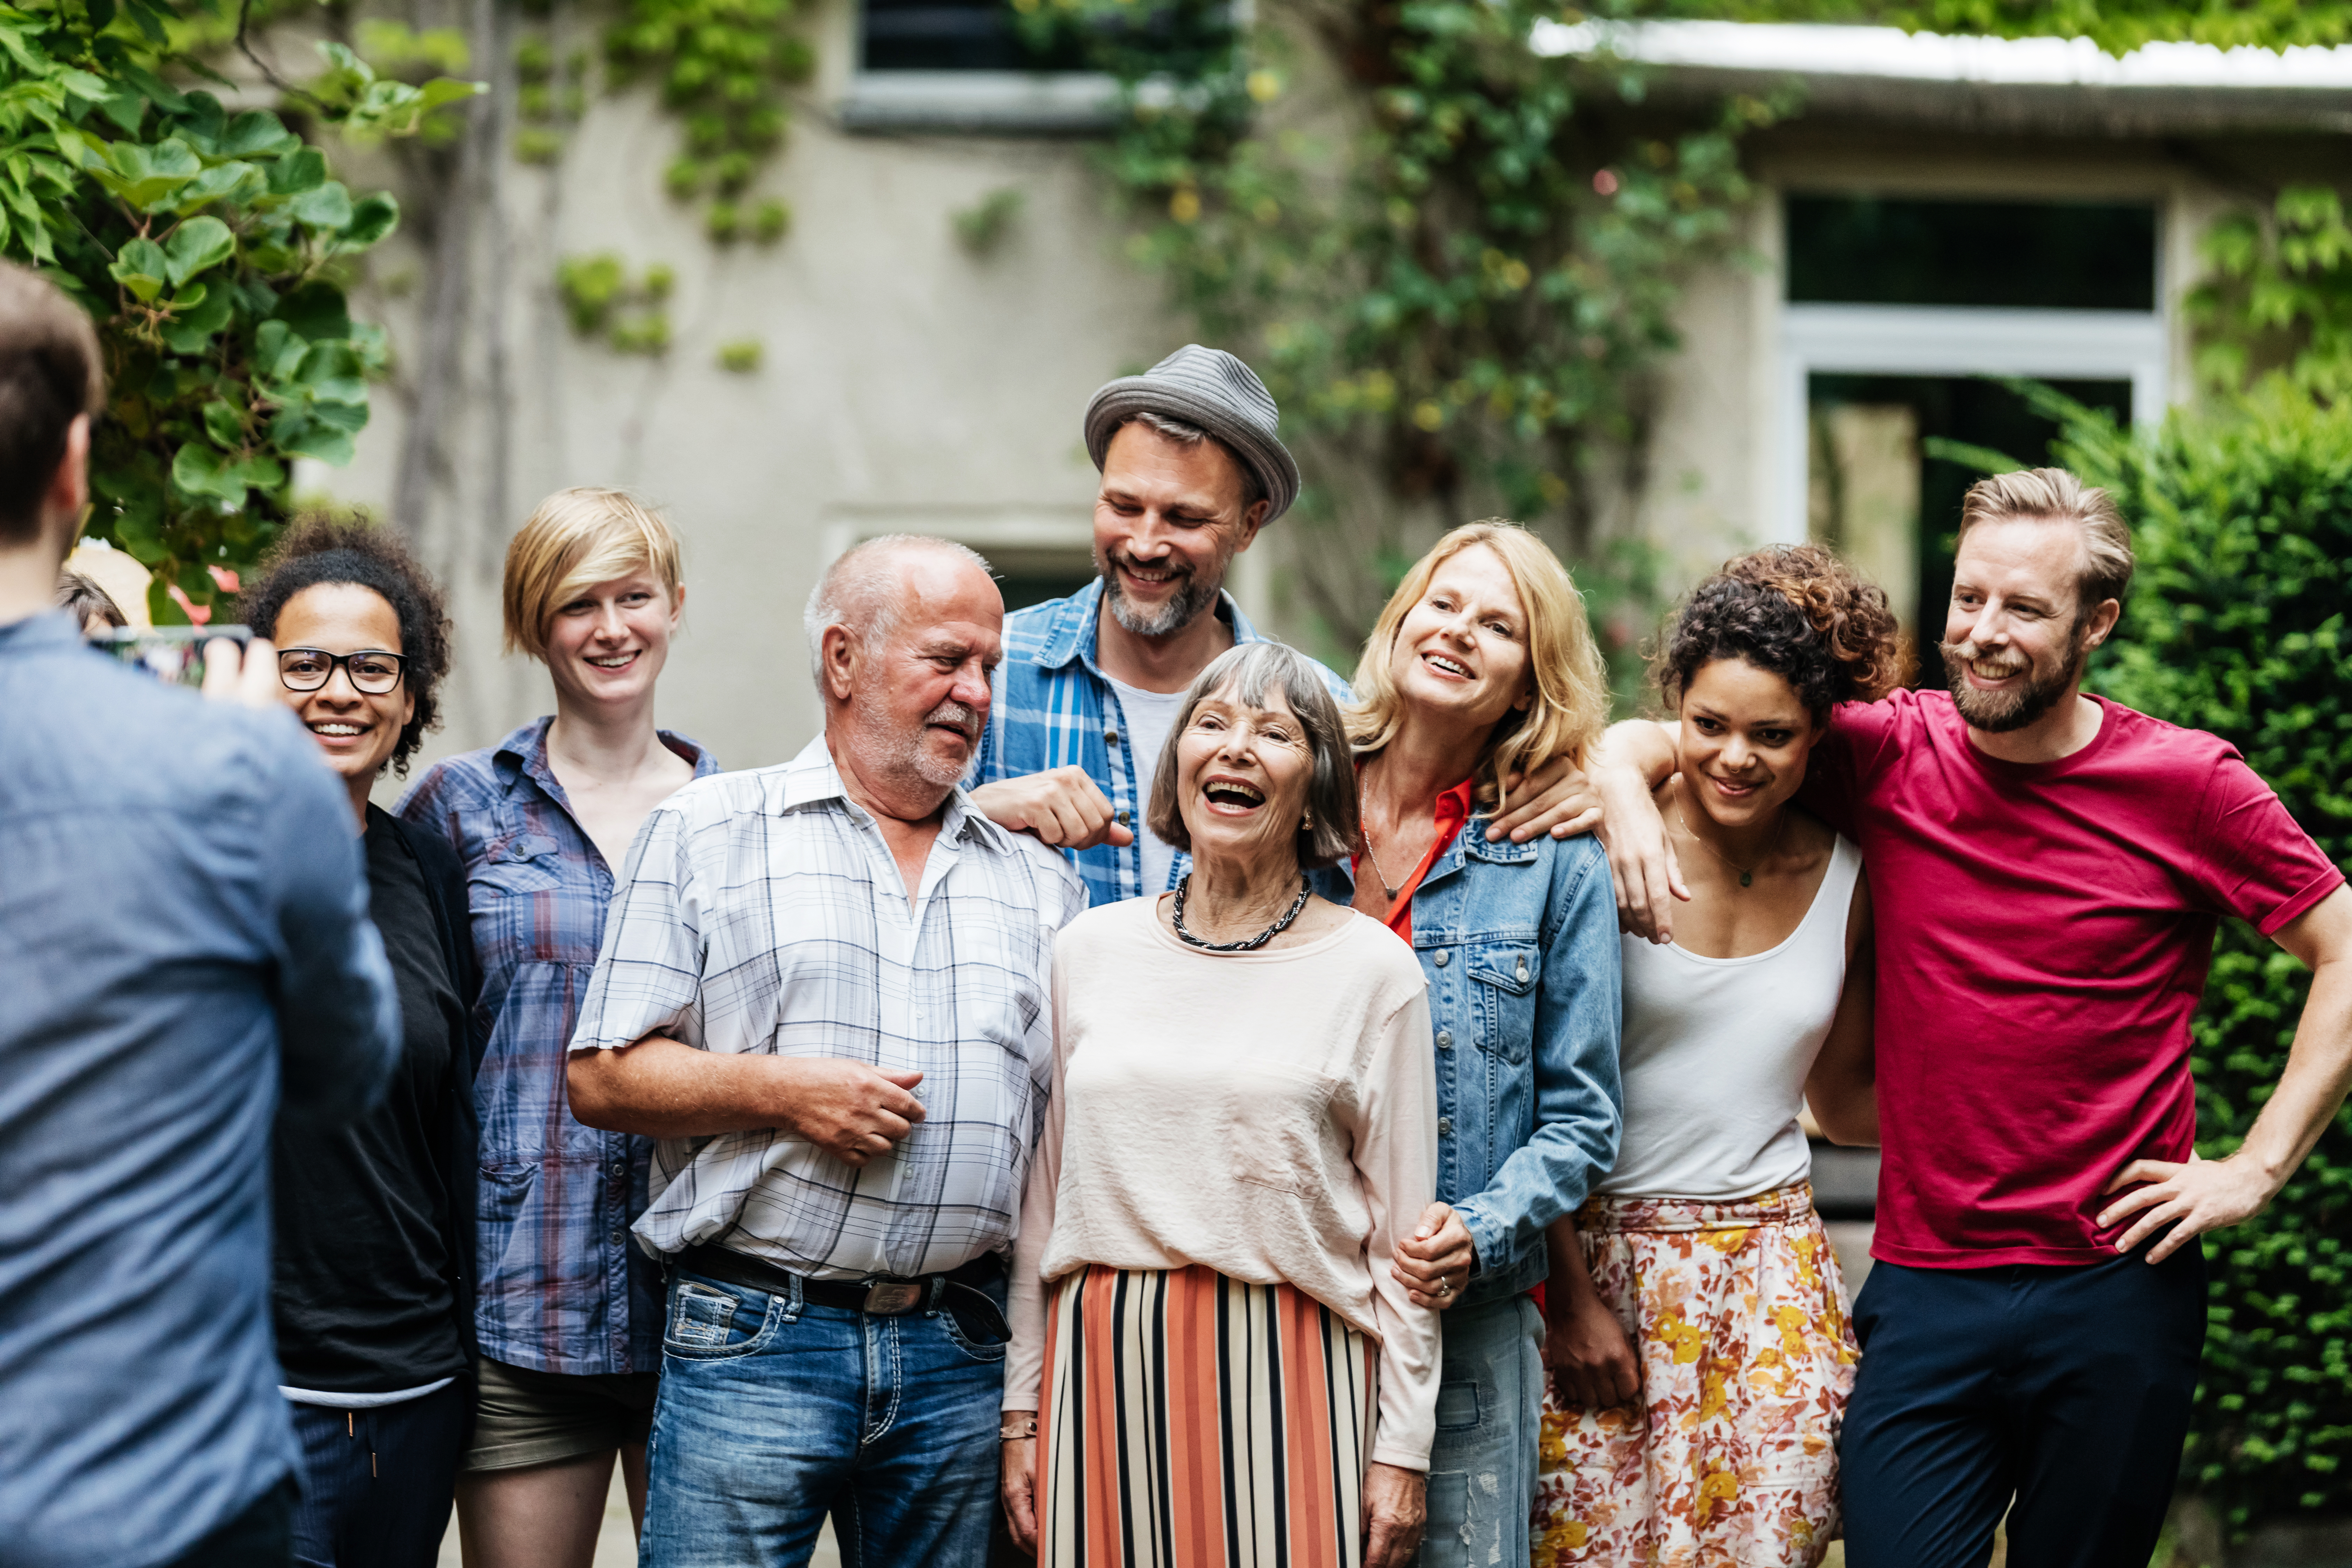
[2066,86]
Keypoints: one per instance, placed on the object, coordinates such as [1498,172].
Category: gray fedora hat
[1212,389]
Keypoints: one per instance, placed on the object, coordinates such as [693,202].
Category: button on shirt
[560,1287]
[763,912]
[184,948]
[1054,708]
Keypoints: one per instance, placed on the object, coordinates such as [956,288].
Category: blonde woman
[1481,667]
[568,1310]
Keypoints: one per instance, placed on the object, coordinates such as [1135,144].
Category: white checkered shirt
[762,911]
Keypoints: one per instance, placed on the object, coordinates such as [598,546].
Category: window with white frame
[985,64]
[1897,311]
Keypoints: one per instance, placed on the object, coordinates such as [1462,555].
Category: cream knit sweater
[1270,1115]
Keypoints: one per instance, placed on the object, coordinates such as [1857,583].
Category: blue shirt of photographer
[183,926]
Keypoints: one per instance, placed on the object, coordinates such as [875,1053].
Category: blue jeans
[376,1483]
[774,1413]
[1482,1470]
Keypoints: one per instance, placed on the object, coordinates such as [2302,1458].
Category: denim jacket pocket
[1503,977]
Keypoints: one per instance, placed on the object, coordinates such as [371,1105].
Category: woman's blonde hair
[577,539]
[1570,701]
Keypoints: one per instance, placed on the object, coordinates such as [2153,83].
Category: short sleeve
[648,976]
[2253,855]
[1845,760]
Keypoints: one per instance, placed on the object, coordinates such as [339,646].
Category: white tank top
[1716,1050]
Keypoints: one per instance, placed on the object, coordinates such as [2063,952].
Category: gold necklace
[1747,873]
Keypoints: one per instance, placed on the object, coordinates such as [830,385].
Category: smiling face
[606,646]
[916,698]
[356,729]
[2016,637]
[1463,649]
[1745,741]
[1167,521]
[1242,779]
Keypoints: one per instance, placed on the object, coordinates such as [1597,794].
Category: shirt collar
[1076,625]
[812,778]
[42,629]
[523,753]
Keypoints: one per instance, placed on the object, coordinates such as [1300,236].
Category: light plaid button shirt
[761,912]
[1053,707]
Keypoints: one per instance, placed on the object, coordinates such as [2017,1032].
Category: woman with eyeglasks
[374,1217]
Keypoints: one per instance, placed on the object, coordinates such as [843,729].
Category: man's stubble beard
[2000,712]
[904,756]
[1196,595]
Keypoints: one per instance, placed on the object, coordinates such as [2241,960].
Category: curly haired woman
[1699,1347]
[374,1217]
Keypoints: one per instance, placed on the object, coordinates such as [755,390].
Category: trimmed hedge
[2237,623]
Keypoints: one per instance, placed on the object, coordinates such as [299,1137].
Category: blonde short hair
[2053,495]
[577,539]
[1570,703]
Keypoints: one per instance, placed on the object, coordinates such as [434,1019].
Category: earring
[1306,821]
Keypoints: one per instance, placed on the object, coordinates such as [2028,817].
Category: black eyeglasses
[371,669]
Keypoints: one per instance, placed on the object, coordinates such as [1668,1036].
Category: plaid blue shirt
[560,1287]
[1054,707]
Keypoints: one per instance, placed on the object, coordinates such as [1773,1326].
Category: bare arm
[1062,806]
[1585,1350]
[2203,1196]
[1842,1088]
[1635,758]
[662,1088]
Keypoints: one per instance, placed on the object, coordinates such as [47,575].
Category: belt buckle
[889,1297]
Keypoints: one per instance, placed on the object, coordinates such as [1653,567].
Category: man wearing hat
[1192,469]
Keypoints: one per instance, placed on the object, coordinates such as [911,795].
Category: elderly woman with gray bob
[1242,1131]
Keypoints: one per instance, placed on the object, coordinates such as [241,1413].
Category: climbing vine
[210,247]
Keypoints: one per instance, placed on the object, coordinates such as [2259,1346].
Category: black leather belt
[881,1295]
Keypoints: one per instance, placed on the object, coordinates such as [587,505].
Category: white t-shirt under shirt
[1149,717]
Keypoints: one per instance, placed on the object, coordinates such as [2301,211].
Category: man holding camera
[167,965]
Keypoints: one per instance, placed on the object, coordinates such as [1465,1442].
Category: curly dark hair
[1797,611]
[321,550]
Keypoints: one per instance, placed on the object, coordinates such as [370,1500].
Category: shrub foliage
[2238,625]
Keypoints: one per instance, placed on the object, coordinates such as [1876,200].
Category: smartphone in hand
[174,655]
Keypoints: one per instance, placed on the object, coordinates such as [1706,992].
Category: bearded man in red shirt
[2048,869]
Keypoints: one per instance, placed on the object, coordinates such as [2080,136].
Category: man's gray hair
[1256,670]
[1185,433]
[858,593]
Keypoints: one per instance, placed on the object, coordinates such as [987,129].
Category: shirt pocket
[1503,976]
[519,864]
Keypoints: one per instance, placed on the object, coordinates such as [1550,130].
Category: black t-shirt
[364,1292]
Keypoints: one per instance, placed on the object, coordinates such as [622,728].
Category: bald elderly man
[824,988]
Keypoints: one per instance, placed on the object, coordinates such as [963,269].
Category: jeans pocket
[707,1323]
[1457,1406]
[974,1324]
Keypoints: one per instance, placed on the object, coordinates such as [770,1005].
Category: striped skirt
[1191,1421]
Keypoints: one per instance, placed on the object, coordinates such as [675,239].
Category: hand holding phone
[227,664]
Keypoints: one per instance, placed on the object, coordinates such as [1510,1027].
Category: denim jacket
[1519,943]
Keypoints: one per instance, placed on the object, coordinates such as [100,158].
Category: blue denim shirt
[1053,707]
[182,927]
[1519,943]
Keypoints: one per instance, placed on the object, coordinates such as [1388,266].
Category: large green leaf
[199,470]
[190,331]
[277,351]
[304,169]
[317,311]
[198,245]
[300,435]
[141,267]
[146,177]
[330,373]
[257,133]
[373,220]
[328,207]
[232,181]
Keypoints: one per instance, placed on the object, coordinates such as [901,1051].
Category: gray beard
[1194,598]
[1999,712]
[904,756]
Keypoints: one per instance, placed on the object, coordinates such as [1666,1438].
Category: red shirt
[1452,809]
[2043,933]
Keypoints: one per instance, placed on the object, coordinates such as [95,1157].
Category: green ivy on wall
[722,66]
[211,249]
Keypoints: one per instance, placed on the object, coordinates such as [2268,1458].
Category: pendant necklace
[1378,870]
[1747,873]
[1260,940]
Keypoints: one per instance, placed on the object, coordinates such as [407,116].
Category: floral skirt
[1737,1316]
[1192,1421]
